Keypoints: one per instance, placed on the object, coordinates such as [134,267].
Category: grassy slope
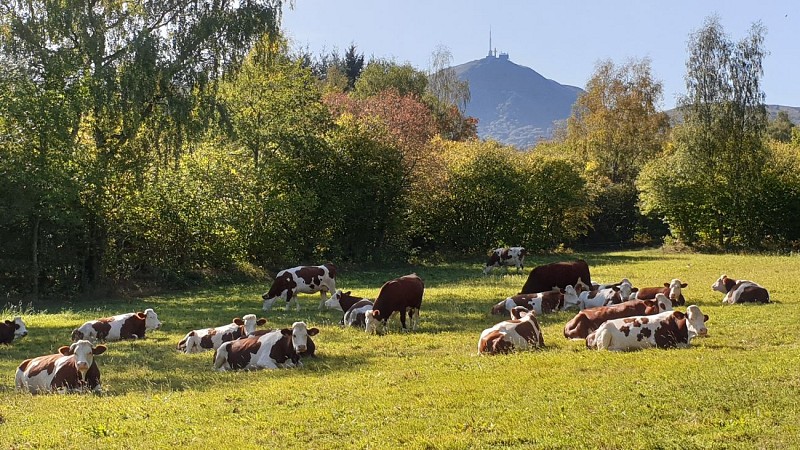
[738,388]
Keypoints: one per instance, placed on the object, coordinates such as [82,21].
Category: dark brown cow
[11,329]
[671,290]
[590,319]
[398,295]
[560,274]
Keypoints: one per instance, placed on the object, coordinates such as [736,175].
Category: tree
[780,129]
[380,75]
[353,65]
[450,96]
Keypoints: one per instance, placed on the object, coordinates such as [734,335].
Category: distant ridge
[772,112]
[514,104]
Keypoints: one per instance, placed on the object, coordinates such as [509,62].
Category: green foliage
[780,129]
[380,75]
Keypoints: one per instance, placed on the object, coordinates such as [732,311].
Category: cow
[671,290]
[122,326]
[12,329]
[590,319]
[540,303]
[265,349]
[301,280]
[505,257]
[398,295]
[72,369]
[354,308]
[197,341]
[521,332]
[601,297]
[740,291]
[342,301]
[663,330]
[561,274]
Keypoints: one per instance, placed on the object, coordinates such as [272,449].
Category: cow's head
[333,302]
[663,302]
[151,321]
[250,322]
[192,343]
[300,333]
[675,288]
[696,321]
[519,312]
[499,307]
[625,289]
[571,299]
[18,326]
[721,285]
[373,323]
[84,352]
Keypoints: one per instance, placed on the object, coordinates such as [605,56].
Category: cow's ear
[683,285]
[313,331]
[666,284]
[286,331]
[376,312]
[99,350]
[141,315]
[705,317]
[238,321]
[64,350]
[634,289]
[615,288]
[348,292]
[8,322]
[261,321]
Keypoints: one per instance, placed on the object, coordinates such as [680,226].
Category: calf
[521,332]
[354,308]
[115,328]
[505,257]
[197,341]
[740,291]
[266,350]
[72,369]
[398,295]
[671,290]
[600,297]
[342,301]
[301,279]
[540,303]
[11,329]
[561,274]
[590,319]
[664,330]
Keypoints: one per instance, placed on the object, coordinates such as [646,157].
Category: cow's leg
[323,297]
[289,296]
[414,316]
[403,319]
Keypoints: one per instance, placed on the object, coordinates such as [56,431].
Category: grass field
[737,388]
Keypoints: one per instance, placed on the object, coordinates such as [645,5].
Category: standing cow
[301,279]
[558,274]
[664,330]
[740,291]
[506,257]
[521,332]
[72,369]
[398,295]
[12,329]
[197,341]
[266,350]
[121,326]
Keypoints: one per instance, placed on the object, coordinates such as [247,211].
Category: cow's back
[562,274]
[588,320]
[403,292]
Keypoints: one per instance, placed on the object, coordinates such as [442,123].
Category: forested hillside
[172,142]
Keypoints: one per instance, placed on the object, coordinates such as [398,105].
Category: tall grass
[737,388]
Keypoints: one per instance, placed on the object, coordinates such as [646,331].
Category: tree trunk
[35,258]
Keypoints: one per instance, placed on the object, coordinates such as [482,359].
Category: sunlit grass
[737,388]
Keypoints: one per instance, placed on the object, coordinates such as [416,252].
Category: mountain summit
[514,104]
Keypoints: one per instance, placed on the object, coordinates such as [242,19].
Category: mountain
[514,104]
[772,112]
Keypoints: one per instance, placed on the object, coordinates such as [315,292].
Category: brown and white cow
[740,291]
[671,290]
[301,280]
[197,341]
[398,295]
[122,326]
[590,319]
[664,330]
[560,274]
[600,297]
[266,350]
[540,303]
[519,333]
[506,257]
[12,329]
[354,308]
[72,369]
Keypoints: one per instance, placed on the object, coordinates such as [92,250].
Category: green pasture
[737,388]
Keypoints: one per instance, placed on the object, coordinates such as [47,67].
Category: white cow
[301,279]
[268,350]
[197,341]
[662,330]
[72,369]
[506,257]
[122,326]
[740,291]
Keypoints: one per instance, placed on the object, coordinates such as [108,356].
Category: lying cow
[664,330]
[301,280]
[590,319]
[560,274]
[354,308]
[740,291]
[401,295]
[197,341]
[671,290]
[122,326]
[521,332]
[506,257]
[540,303]
[72,369]
[265,350]
[12,329]
[600,297]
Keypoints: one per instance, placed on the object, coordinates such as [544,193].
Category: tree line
[165,142]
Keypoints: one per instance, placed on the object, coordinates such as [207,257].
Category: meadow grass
[737,388]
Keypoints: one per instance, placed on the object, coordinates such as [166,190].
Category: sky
[561,39]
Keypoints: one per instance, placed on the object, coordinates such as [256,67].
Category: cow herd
[617,316]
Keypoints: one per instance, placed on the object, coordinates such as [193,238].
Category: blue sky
[561,39]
